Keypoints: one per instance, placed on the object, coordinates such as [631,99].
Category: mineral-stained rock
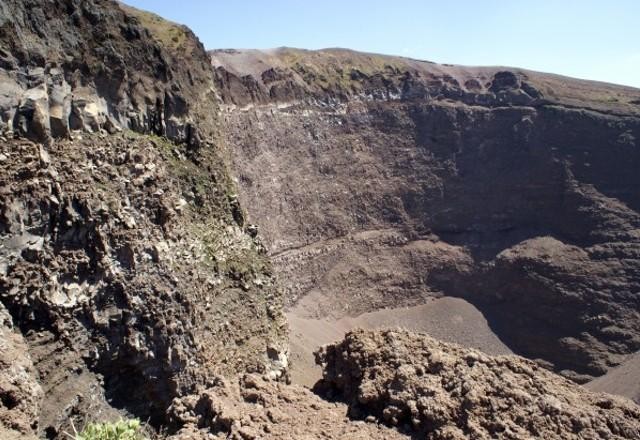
[443,391]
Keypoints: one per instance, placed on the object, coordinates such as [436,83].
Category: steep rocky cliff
[381,181]
[127,274]
[69,65]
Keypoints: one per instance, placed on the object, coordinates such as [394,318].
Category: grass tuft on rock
[120,430]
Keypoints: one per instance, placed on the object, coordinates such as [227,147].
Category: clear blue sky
[589,39]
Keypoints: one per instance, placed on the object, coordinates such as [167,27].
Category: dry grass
[171,35]
[334,67]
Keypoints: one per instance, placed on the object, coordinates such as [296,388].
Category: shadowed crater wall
[380,182]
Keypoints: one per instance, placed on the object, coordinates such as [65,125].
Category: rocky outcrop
[380,181]
[125,263]
[88,65]
[396,384]
[435,390]
[124,268]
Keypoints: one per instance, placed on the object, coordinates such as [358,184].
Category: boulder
[33,114]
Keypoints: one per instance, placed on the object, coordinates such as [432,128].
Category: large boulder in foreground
[444,391]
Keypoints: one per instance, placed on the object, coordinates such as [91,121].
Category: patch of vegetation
[229,256]
[203,175]
[171,35]
[341,69]
[120,430]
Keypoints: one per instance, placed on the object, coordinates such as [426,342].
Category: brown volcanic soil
[447,319]
[252,408]
[380,182]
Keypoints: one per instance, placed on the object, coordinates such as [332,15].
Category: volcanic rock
[383,182]
[159,206]
[443,391]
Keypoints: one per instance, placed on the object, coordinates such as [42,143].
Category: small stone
[180,204]
[159,250]
[44,157]
[129,222]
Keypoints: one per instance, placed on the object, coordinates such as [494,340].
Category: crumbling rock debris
[254,408]
[109,291]
[442,391]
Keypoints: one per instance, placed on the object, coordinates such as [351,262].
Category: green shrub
[120,430]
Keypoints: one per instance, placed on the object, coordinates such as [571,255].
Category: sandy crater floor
[447,319]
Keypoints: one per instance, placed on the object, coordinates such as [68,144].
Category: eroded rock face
[443,391]
[125,262]
[123,266]
[88,65]
[380,181]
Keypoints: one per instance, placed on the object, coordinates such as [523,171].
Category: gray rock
[33,114]
[59,106]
